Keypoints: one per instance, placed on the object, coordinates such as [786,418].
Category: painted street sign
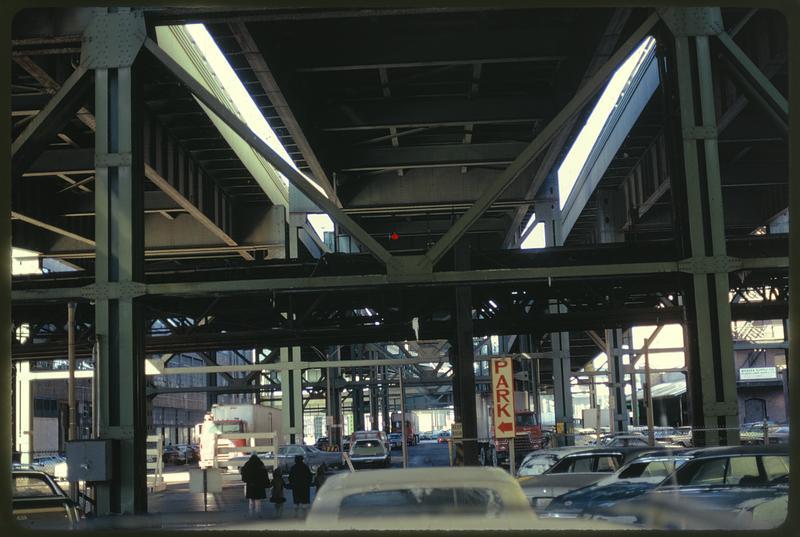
[502,397]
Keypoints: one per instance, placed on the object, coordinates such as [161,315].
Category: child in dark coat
[277,496]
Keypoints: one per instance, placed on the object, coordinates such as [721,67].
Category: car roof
[421,477]
[718,451]
[556,451]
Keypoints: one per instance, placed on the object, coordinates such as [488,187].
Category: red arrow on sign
[505,426]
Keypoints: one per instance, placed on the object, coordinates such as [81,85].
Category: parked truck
[412,422]
[495,451]
[237,418]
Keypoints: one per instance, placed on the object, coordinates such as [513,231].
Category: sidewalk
[177,508]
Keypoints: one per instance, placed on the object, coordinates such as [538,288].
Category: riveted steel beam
[303,183]
[44,126]
[539,144]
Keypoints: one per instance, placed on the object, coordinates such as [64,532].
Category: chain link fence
[760,433]
[49,462]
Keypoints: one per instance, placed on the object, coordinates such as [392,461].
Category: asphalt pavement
[176,507]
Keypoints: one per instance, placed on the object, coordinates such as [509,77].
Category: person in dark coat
[319,478]
[256,479]
[300,477]
[277,497]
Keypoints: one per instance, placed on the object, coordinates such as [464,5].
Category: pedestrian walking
[256,479]
[277,497]
[301,478]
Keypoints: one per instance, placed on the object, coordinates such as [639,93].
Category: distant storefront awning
[666,389]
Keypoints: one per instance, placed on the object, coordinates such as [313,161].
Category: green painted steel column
[616,379]
[547,211]
[111,43]
[119,322]
[292,396]
[710,349]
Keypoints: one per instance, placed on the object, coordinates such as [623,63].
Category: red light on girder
[394,236]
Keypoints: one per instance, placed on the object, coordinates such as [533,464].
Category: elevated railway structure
[432,138]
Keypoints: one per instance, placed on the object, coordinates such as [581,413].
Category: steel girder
[167,164]
[304,184]
[471,277]
[538,145]
[606,47]
[711,369]
[56,113]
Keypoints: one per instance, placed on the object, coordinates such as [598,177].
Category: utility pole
[73,425]
[651,440]
[403,418]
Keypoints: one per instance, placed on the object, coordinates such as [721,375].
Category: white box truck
[237,418]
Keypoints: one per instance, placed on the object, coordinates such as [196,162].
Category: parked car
[443,436]
[465,498]
[173,455]
[634,478]
[624,440]
[574,471]
[312,456]
[395,440]
[39,503]
[322,443]
[732,509]
[538,462]
[190,453]
[682,436]
[53,465]
[735,487]
[370,452]
[752,434]
[779,435]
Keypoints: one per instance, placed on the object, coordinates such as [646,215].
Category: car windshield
[229,427]
[645,469]
[537,465]
[34,486]
[741,470]
[527,419]
[422,501]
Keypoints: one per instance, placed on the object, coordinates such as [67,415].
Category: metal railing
[255,444]
[155,462]
[761,434]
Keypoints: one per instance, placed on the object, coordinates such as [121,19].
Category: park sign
[503,397]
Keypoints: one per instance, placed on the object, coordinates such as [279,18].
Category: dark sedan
[635,478]
[735,487]
[574,471]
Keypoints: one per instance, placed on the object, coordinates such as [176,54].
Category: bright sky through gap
[576,157]
[248,110]
[24,262]
[535,238]
[321,223]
